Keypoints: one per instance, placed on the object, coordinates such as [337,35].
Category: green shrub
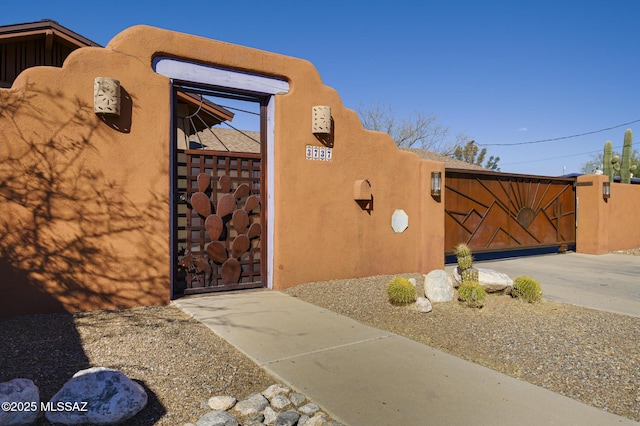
[401,291]
[472,294]
[527,288]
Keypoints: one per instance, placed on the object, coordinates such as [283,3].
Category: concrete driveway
[609,282]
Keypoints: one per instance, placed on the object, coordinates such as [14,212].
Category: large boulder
[437,287]
[20,401]
[98,396]
[492,281]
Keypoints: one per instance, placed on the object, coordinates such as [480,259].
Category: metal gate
[218,212]
[492,211]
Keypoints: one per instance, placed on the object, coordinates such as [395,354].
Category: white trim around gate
[229,79]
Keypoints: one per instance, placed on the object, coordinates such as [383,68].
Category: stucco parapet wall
[147,43]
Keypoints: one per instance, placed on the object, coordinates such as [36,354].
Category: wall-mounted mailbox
[362,190]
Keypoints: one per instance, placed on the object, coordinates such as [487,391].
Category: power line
[561,137]
[556,157]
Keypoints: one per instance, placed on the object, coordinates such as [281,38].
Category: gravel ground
[584,354]
[180,362]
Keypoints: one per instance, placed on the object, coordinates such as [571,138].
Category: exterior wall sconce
[606,190]
[362,194]
[436,184]
[321,120]
[106,96]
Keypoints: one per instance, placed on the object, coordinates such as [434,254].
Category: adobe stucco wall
[84,202]
[605,226]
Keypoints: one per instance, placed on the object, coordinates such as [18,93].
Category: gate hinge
[582,184]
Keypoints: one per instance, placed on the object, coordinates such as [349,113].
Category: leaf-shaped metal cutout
[204,180]
[226,205]
[251,203]
[254,230]
[239,246]
[242,191]
[200,203]
[231,271]
[240,221]
[217,252]
[213,225]
[225,183]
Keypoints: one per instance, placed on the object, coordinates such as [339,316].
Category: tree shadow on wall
[61,211]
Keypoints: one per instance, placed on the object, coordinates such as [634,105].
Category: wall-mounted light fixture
[606,190]
[321,120]
[436,184]
[106,96]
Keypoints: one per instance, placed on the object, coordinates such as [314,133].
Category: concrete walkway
[365,376]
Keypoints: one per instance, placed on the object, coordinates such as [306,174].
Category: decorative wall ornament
[399,221]
[321,117]
[106,96]
[233,209]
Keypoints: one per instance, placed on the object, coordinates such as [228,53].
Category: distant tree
[417,131]
[472,154]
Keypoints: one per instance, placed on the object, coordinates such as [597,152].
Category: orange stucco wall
[84,201]
[606,225]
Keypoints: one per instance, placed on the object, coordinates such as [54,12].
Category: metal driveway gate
[491,211]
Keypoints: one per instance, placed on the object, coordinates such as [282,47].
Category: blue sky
[501,72]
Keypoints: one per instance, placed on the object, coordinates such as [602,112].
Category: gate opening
[218,174]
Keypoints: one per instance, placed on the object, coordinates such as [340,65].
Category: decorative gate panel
[498,211]
[220,220]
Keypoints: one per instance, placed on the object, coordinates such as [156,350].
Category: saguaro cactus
[608,160]
[626,167]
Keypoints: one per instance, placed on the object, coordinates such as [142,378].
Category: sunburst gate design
[502,211]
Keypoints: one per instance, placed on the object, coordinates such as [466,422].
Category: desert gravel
[180,362]
[584,354]
[588,355]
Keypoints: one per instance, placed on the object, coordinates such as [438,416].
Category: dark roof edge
[44,25]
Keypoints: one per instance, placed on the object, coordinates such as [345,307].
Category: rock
[270,416]
[288,418]
[303,420]
[309,409]
[423,305]
[279,402]
[436,286]
[252,405]
[275,390]
[221,403]
[255,420]
[320,419]
[297,399]
[492,281]
[22,391]
[217,418]
[98,396]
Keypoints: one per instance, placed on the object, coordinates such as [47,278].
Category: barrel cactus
[470,274]
[527,288]
[472,294]
[463,254]
[401,291]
